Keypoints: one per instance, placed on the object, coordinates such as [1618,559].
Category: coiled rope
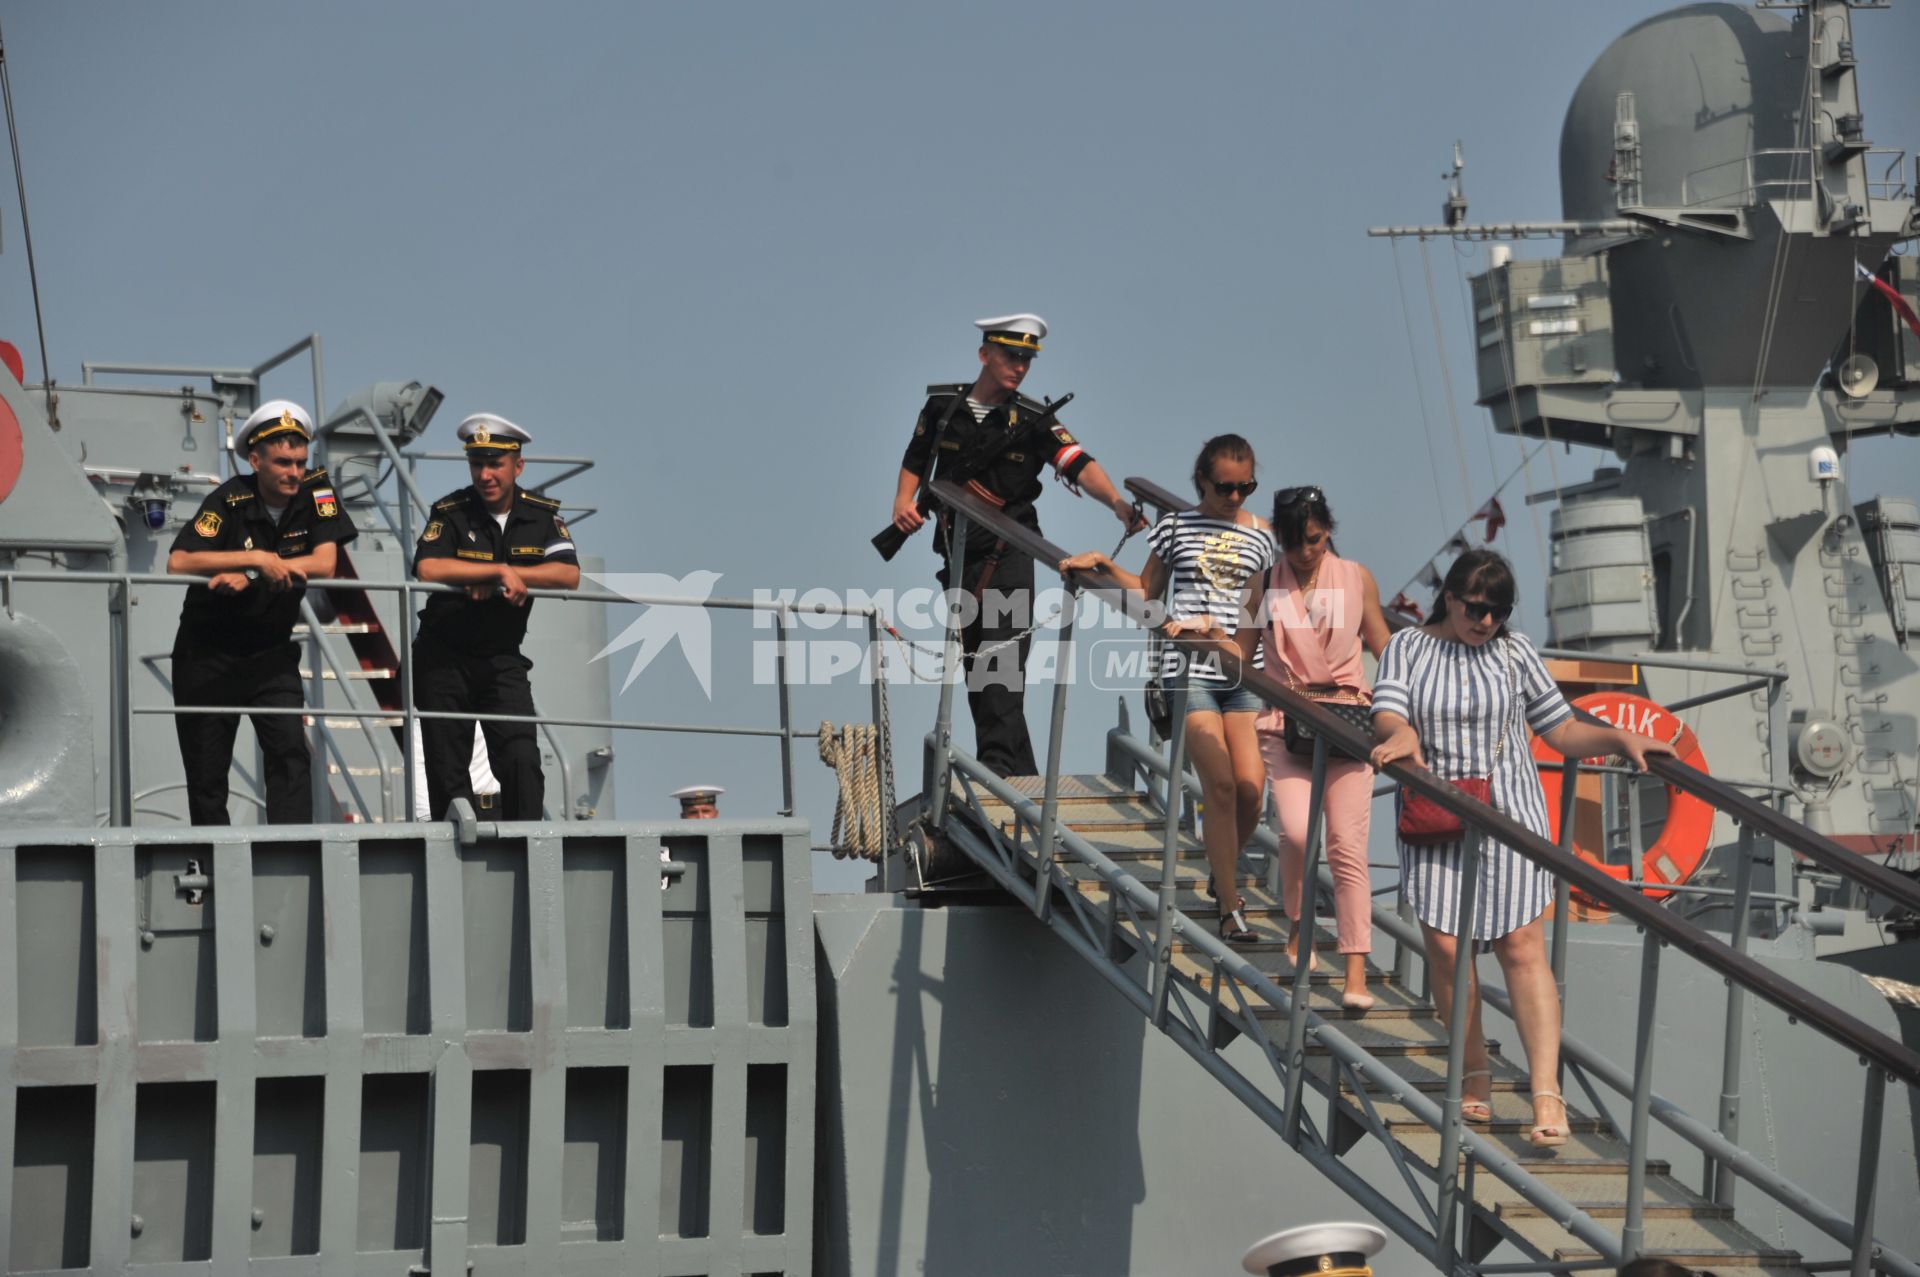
[862,820]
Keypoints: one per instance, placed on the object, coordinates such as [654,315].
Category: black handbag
[1299,737]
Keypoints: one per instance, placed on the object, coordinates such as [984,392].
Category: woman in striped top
[1209,554]
[1450,696]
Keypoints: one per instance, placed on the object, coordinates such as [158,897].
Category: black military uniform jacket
[1004,452]
[461,528]
[233,517]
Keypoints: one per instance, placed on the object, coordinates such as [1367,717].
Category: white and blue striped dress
[1457,696]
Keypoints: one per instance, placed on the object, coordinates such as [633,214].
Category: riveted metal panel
[374,1049]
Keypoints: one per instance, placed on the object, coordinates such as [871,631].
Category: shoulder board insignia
[485,556]
[314,476]
[434,529]
[235,498]
[950,388]
[208,524]
[534,498]
[1033,406]
[453,502]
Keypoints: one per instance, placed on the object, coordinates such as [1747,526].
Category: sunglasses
[1481,611]
[1295,496]
[1243,490]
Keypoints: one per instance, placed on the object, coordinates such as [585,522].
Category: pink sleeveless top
[1315,638]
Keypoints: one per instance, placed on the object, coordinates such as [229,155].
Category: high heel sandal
[1234,928]
[1548,1134]
[1479,1112]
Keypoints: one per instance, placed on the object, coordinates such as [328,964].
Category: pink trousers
[1349,808]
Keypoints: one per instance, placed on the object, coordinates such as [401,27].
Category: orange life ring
[1682,844]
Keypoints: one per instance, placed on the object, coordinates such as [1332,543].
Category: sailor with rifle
[994,441]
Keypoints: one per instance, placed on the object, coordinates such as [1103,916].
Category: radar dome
[1711,84]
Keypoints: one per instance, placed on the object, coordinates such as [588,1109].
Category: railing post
[939,769]
[1730,1051]
[1050,803]
[1170,857]
[784,697]
[1451,1135]
[1633,1232]
[1562,889]
[120,711]
[409,725]
[1866,1189]
[319,787]
[1303,942]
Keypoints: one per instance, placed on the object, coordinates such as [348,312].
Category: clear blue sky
[723,248]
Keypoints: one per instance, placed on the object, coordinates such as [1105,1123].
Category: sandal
[1356,1001]
[1548,1134]
[1234,928]
[1479,1112]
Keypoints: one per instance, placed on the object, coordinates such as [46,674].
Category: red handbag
[1424,822]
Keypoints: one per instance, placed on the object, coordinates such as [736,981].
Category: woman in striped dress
[1209,555]
[1452,695]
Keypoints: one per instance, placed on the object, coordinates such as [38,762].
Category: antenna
[1454,211]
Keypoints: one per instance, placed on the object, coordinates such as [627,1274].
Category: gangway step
[1588,1151]
[1600,1195]
[1712,1243]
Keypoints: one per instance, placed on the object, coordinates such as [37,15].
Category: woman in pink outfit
[1319,610]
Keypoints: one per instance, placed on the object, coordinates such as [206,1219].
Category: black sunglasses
[1481,611]
[1246,489]
[1295,496]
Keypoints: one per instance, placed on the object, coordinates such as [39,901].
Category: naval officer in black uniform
[257,539]
[498,541]
[991,434]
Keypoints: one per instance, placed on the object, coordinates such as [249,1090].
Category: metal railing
[119,585]
[1024,863]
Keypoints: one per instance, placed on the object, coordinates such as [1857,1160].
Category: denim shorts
[1207,697]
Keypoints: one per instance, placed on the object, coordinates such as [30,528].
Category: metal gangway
[1109,863]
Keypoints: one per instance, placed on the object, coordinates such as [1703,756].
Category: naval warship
[388,1045]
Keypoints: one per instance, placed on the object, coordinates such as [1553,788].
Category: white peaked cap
[274,417]
[486,430]
[1315,1248]
[1021,331]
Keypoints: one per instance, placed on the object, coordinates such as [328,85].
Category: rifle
[891,538]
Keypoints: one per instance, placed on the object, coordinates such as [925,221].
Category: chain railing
[1026,864]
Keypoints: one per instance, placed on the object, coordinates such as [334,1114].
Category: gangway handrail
[1851,1032]
[1717,793]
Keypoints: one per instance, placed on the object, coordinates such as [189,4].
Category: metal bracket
[193,884]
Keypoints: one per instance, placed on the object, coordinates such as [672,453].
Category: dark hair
[1483,572]
[1293,509]
[1232,447]
[1654,1266]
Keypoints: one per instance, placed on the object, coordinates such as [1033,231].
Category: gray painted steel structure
[385,1050]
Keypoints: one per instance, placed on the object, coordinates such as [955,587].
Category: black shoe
[1234,928]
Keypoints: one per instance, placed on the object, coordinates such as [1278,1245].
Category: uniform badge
[1060,434]
[324,502]
[920,429]
[207,525]
[480,437]
[1013,418]
[248,544]
[434,529]
[560,526]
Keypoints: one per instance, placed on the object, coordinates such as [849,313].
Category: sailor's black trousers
[449,679]
[205,675]
[1002,586]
